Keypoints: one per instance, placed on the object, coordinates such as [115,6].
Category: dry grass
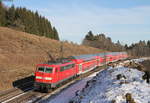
[20,52]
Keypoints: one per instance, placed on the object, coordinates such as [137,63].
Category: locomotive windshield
[48,70]
[45,69]
[41,69]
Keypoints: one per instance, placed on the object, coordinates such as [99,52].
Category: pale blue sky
[124,20]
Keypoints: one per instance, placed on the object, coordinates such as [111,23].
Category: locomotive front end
[43,77]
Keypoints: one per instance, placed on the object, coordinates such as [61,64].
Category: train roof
[59,61]
[115,53]
[84,57]
[92,56]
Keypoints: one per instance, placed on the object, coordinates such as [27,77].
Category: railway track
[31,96]
[8,95]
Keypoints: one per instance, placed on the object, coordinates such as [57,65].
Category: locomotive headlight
[48,78]
[38,77]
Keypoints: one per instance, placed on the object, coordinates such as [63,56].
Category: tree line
[102,42]
[140,49]
[27,21]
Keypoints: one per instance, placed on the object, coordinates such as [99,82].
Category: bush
[113,101]
[129,98]
[119,76]
[146,76]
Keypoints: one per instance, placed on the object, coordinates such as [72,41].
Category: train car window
[41,69]
[67,67]
[61,69]
[49,70]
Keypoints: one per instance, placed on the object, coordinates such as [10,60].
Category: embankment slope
[20,52]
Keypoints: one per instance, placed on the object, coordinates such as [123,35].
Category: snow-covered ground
[69,93]
[105,87]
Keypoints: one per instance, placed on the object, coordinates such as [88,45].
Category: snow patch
[105,87]
[66,95]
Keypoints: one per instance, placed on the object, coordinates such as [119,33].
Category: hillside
[23,19]
[20,52]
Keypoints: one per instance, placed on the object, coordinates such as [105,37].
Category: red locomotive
[51,74]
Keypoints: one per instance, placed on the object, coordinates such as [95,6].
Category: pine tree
[148,43]
[89,36]
[126,47]
[10,16]
[55,34]
[2,15]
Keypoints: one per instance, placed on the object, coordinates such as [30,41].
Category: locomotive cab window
[41,69]
[48,70]
[45,69]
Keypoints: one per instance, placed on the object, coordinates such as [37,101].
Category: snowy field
[69,93]
[105,87]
